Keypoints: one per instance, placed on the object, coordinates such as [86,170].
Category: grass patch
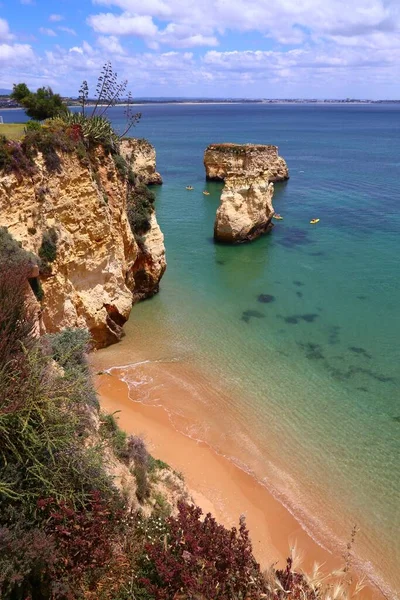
[156,463]
[12,131]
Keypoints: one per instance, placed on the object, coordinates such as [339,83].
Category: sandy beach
[216,484]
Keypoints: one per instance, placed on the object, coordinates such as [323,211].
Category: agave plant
[95,130]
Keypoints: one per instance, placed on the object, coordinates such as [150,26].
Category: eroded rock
[252,159]
[246,210]
[99,267]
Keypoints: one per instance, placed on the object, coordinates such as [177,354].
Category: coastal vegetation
[39,105]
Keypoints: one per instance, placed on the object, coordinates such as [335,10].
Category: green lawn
[13,131]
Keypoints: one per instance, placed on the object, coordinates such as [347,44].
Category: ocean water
[312,376]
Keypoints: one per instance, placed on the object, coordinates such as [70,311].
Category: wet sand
[216,484]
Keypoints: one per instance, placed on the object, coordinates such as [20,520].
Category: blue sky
[209,48]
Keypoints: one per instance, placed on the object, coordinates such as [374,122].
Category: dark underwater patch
[220,262]
[294,319]
[310,318]
[319,253]
[248,314]
[360,351]
[362,297]
[291,320]
[299,283]
[312,351]
[266,298]
[344,375]
[292,237]
[363,389]
[299,294]
[396,419]
[333,335]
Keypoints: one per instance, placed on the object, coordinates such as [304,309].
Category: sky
[206,48]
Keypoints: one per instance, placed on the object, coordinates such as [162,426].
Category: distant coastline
[7,103]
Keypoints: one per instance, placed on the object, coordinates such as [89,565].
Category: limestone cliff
[100,268]
[246,210]
[141,156]
[252,159]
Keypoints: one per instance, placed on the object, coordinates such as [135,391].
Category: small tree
[39,105]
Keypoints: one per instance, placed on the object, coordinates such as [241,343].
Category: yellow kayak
[278,217]
[313,221]
[206,193]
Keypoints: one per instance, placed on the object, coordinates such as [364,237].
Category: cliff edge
[141,157]
[91,221]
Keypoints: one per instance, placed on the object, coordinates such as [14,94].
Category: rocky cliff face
[246,210]
[100,269]
[252,159]
[141,156]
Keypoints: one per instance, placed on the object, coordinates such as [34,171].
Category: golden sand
[216,484]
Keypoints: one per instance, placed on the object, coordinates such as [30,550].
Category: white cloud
[46,31]
[316,47]
[67,30]
[56,18]
[124,24]
[5,34]
[181,36]
[15,55]
[286,21]
[111,44]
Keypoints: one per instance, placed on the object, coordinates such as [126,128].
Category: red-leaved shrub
[201,558]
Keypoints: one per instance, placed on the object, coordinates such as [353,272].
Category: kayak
[313,221]
[189,187]
[206,193]
[278,217]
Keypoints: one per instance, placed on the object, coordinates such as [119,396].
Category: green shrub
[142,483]
[69,349]
[48,251]
[95,130]
[131,177]
[49,140]
[121,165]
[12,252]
[13,159]
[140,208]
[156,463]
[110,430]
[33,126]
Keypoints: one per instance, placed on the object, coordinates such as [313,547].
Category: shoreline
[217,484]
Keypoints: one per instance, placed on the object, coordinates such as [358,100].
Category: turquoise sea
[313,374]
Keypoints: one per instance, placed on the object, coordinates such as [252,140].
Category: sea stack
[252,159]
[246,210]
[249,170]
